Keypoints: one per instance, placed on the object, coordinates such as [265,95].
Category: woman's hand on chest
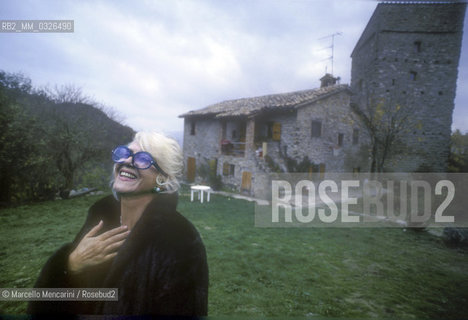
[93,250]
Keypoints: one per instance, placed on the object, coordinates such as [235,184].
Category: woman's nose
[128,160]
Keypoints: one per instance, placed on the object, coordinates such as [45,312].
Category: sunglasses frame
[132,154]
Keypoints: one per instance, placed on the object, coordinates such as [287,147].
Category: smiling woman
[135,241]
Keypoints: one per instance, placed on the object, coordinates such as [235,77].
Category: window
[270,130]
[223,129]
[192,127]
[340,139]
[393,82]
[228,169]
[360,85]
[274,130]
[316,130]
[417,46]
[413,75]
[234,134]
[355,136]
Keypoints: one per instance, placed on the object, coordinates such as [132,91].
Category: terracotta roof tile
[249,106]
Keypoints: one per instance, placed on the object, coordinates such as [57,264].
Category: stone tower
[405,64]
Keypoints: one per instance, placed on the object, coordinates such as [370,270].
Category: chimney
[328,80]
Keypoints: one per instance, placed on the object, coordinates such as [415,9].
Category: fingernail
[125,227]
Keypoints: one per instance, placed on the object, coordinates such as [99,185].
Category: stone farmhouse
[240,139]
[408,54]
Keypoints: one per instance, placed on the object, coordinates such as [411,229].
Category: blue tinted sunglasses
[140,160]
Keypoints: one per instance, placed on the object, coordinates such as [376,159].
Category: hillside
[49,147]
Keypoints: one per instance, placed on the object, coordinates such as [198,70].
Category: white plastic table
[200,189]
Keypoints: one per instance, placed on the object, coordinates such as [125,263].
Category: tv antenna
[332,47]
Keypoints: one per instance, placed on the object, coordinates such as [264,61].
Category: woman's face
[130,180]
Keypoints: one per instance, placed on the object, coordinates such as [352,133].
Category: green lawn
[257,272]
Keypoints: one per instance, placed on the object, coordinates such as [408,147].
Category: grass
[267,272]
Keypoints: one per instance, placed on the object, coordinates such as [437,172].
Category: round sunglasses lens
[142,160]
[120,154]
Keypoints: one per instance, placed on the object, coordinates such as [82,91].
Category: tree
[11,85]
[386,121]
[14,84]
[23,163]
[458,159]
[68,93]
[110,112]
[76,137]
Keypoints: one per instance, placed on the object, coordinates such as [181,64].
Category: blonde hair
[167,153]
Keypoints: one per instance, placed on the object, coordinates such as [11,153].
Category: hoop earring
[158,180]
[158,188]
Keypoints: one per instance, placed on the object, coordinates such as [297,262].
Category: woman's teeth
[127,175]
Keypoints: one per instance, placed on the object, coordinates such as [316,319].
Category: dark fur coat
[161,268]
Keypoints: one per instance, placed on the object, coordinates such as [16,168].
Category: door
[322,170]
[213,163]
[246,181]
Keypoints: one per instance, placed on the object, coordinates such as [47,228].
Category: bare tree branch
[68,93]
[386,120]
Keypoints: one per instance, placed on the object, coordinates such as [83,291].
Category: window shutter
[276,131]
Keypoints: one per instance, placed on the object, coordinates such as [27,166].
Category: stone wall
[205,144]
[295,141]
[336,117]
[408,56]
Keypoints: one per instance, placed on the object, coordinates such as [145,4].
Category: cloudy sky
[154,60]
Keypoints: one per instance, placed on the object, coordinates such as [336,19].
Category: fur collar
[159,223]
